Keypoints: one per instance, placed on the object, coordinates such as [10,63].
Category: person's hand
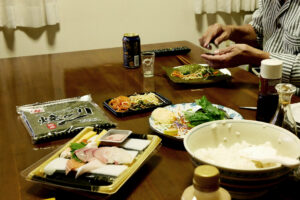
[216,34]
[235,55]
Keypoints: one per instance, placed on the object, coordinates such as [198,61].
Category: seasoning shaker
[205,186]
[270,76]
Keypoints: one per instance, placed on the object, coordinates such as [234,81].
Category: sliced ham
[113,155]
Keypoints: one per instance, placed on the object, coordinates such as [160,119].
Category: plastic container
[98,184]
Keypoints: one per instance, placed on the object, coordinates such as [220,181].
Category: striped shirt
[277,26]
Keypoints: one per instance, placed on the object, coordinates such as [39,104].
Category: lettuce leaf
[207,113]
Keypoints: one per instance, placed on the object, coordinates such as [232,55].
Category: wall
[95,24]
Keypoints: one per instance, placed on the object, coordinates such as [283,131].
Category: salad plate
[178,110]
[196,74]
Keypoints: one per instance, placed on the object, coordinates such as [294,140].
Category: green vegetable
[74,147]
[207,113]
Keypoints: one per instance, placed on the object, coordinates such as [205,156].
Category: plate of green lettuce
[189,115]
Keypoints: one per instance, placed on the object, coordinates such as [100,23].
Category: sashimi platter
[97,161]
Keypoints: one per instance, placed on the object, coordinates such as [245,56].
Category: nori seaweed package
[62,118]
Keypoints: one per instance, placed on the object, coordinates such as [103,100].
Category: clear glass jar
[283,116]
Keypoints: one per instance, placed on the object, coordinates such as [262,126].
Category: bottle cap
[271,69]
[206,178]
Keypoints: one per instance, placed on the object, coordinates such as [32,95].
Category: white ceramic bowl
[244,183]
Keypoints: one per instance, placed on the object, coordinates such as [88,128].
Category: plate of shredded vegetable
[176,120]
[136,103]
[196,74]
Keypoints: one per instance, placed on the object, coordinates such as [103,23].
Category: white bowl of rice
[220,143]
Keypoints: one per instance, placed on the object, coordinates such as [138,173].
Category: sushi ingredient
[135,102]
[74,147]
[85,154]
[207,113]
[56,164]
[136,144]
[234,155]
[87,136]
[66,153]
[115,137]
[120,103]
[171,131]
[113,155]
[110,170]
[195,71]
[163,116]
[143,101]
[95,141]
[93,164]
[72,164]
[66,117]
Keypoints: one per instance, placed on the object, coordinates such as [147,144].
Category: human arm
[251,34]
[236,55]
[218,33]
[240,54]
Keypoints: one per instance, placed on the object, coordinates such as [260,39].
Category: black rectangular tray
[164,100]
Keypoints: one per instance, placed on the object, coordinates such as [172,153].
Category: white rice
[231,156]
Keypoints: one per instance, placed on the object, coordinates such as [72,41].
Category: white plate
[296,112]
[180,108]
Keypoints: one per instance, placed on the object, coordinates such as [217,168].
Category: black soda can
[131,50]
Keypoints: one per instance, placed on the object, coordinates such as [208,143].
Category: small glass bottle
[270,75]
[283,116]
[205,185]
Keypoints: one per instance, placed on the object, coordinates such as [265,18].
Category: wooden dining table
[100,73]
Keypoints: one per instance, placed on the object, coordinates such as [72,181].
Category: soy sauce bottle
[270,76]
[205,186]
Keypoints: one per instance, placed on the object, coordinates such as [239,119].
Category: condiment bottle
[205,185]
[283,116]
[270,75]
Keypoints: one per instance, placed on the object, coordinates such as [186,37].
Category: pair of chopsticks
[183,60]
[248,107]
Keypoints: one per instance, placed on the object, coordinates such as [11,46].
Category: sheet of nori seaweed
[62,118]
[89,181]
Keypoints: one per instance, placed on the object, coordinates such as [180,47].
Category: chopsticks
[248,107]
[183,60]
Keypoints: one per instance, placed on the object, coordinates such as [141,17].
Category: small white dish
[115,136]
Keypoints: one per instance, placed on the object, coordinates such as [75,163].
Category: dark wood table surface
[166,174]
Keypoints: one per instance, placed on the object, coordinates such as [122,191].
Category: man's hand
[235,55]
[216,34]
